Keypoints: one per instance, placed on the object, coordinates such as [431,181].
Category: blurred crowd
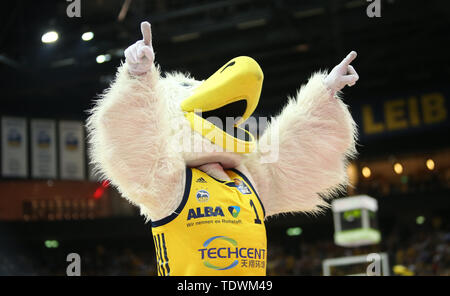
[418,250]
[406,184]
[96,261]
[416,253]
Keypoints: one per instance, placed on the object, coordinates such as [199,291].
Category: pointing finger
[146,32]
[349,58]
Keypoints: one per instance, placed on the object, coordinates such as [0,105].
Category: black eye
[229,65]
[186,84]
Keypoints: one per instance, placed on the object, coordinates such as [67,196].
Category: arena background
[51,205]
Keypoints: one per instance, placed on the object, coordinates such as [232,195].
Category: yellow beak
[238,81]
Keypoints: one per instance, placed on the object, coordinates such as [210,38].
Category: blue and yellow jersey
[218,229]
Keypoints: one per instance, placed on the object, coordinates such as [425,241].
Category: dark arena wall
[53,202]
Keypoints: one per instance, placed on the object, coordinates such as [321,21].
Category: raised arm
[315,135]
[128,135]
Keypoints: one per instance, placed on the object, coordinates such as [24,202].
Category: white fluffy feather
[141,141]
[316,135]
[136,130]
[129,131]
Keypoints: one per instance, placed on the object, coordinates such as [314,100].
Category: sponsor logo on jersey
[241,186]
[234,211]
[222,253]
[202,195]
[205,212]
[201,180]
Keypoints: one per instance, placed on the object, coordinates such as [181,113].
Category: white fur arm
[316,135]
[128,132]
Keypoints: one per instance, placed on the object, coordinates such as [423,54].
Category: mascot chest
[218,229]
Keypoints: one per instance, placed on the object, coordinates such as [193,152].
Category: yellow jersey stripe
[161,262]
[166,259]
[158,259]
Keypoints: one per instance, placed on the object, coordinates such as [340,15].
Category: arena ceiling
[406,48]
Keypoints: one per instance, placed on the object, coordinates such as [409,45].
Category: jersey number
[257,221]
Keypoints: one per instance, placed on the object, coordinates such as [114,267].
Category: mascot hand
[140,56]
[342,75]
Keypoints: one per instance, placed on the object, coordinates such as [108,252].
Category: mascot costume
[207,200]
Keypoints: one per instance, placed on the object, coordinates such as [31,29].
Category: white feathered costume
[133,128]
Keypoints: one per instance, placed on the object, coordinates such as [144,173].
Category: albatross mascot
[208,189]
